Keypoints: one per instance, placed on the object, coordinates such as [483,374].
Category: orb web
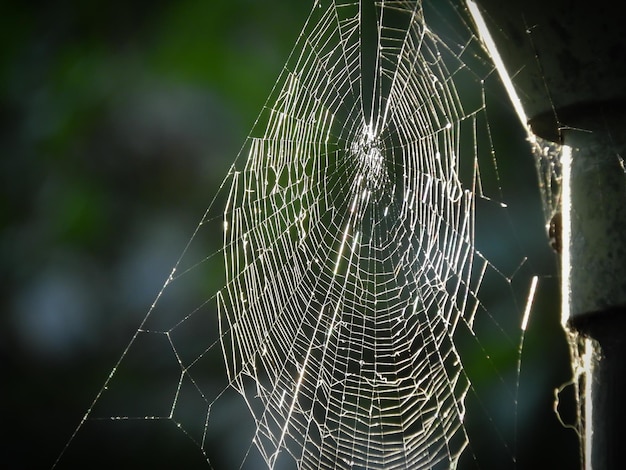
[360,286]
[349,249]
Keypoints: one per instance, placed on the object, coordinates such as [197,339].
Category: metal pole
[569,60]
[594,278]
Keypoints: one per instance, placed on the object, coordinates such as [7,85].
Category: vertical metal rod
[596,211]
[594,278]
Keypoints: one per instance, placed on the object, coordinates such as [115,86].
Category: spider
[555,232]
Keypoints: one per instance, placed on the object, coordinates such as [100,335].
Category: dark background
[118,122]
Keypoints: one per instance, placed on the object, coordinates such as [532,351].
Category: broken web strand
[350,256]
[548,156]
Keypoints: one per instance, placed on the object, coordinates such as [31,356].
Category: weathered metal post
[564,65]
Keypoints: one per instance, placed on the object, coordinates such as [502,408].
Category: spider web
[357,290]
